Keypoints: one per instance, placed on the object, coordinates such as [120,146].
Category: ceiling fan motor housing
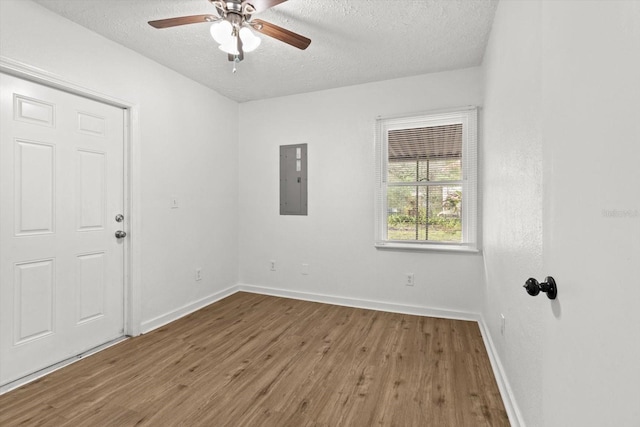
[234,6]
[235,19]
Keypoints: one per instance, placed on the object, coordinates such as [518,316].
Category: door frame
[131,164]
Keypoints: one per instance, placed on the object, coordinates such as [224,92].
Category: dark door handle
[549,286]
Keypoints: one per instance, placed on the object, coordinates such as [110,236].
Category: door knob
[121,234]
[119,218]
[549,286]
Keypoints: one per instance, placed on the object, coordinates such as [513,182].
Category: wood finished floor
[254,360]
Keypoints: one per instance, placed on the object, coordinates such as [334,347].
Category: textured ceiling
[353,41]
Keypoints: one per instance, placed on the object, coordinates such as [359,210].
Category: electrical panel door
[293,179]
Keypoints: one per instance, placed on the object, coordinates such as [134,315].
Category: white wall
[562,127]
[336,238]
[188,148]
[513,205]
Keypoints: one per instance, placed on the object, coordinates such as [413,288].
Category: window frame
[468,117]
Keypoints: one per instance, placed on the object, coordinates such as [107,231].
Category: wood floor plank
[255,360]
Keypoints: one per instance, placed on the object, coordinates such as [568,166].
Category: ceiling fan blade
[289,37]
[183,20]
[260,5]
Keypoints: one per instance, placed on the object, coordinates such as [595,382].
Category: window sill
[428,247]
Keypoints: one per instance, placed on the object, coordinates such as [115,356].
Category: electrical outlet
[198,274]
[502,324]
[409,279]
[305,269]
[273,265]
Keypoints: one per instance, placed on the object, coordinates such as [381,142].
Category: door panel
[61,267]
[33,301]
[91,286]
[34,187]
[91,190]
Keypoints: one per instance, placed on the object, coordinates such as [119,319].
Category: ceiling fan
[231,27]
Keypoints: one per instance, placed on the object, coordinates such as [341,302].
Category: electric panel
[293,179]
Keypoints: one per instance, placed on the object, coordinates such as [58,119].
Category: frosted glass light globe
[230,47]
[249,41]
[222,31]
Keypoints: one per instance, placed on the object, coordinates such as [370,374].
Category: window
[426,189]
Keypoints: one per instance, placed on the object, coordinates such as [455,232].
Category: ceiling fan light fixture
[222,31]
[249,40]
[233,26]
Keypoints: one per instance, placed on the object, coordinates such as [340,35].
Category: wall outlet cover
[410,280]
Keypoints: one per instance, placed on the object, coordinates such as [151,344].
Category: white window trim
[468,116]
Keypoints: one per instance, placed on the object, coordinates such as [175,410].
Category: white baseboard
[510,405]
[157,322]
[360,303]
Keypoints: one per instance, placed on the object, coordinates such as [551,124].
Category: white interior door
[591,83]
[61,266]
